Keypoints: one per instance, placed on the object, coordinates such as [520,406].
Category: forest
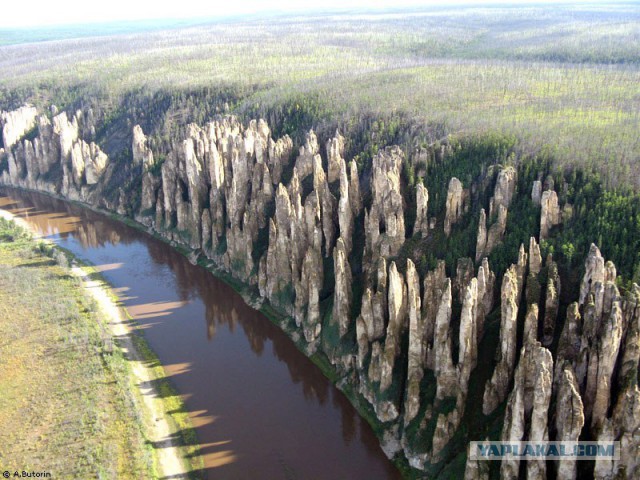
[563,81]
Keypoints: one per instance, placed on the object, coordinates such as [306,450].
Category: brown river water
[262,410]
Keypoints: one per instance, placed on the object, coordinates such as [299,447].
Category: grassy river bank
[74,395]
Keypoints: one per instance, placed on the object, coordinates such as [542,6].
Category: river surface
[261,409]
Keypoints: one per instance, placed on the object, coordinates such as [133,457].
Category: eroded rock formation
[327,249]
[536,192]
[16,124]
[454,206]
[386,210]
[497,388]
[527,407]
[58,146]
[422,202]
[550,213]
[416,353]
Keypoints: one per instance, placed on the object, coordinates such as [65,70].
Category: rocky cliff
[328,246]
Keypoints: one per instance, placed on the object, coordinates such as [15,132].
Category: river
[261,409]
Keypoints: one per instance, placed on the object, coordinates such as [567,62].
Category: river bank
[283,415]
[148,424]
[252,298]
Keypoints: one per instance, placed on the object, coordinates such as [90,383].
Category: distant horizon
[44,14]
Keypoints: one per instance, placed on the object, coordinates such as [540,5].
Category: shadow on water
[253,418]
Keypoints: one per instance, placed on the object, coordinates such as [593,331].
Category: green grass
[66,405]
[175,408]
[132,454]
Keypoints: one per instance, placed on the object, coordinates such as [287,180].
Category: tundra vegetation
[425,243]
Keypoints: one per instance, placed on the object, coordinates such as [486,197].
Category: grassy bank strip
[164,430]
[174,408]
[165,401]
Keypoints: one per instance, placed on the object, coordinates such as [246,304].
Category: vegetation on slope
[564,79]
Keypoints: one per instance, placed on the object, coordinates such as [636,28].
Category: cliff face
[16,124]
[328,248]
[57,147]
[489,238]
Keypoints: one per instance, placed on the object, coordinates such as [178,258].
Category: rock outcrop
[79,164]
[335,153]
[486,285]
[306,155]
[496,231]
[468,335]
[551,304]
[569,417]
[601,366]
[143,155]
[16,124]
[370,323]
[454,206]
[384,222]
[487,240]
[536,192]
[476,469]
[481,240]
[415,369]
[397,302]
[345,209]
[594,273]
[528,404]
[550,213]
[434,286]
[569,345]
[327,251]
[504,189]
[535,258]
[354,189]
[342,298]
[446,377]
[279,153]
[496,389]
[422,219]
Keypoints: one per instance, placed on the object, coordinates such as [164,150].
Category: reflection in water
[254,418]
[152,310]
